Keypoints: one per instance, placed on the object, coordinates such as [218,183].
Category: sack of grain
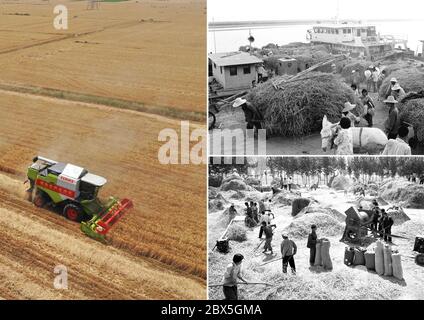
[358,258]
[370,260]
[325,255]
[397,266]
[387,252]
[348,256]
[379,258]
[318,258]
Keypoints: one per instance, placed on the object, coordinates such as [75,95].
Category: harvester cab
[75,191]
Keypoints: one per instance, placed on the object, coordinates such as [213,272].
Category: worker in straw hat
[231,276]
[397,92]
[346,112]
[392,123]
[252,114]
[393,81]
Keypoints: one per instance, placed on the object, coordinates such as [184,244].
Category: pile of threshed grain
[314,208]
[412,112]
[298,107]
[237,232]
[410,228]
[326,224]
[409,79]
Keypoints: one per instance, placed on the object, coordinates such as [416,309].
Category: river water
[230,39]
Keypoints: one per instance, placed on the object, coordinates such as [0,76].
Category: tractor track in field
[125,24]
[28,255]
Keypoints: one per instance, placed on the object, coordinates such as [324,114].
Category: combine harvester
[75,191]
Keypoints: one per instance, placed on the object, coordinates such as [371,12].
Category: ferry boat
[355,38]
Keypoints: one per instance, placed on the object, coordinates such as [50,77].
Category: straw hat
[390,99]
[239,102]
[396,87]
[348,106]
[393,80]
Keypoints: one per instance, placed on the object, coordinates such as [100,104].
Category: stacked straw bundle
[360,67]
[409,80]
[413,113]
[298,107]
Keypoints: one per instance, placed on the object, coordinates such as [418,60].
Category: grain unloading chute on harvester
[75,191]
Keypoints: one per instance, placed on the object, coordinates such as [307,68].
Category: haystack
[359,66]
[413,113]
[238,195]
[253,182]
[234,184]
[298,108]
[326,225]
[215,181]
[406,194]
[409,79]
[218,203]
[284,198]
[341,183]
[212,192]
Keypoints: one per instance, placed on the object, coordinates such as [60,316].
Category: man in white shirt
[375,76]
[231,275]
[398,146]
[267,205]
[290,183]
[368,78]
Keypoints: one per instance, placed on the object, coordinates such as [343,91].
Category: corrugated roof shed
[233,58]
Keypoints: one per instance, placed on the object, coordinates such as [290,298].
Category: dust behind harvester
[75,191]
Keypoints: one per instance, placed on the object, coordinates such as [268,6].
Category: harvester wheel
[39,200]
[73,212]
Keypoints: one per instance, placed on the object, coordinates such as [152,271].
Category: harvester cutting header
[74,190]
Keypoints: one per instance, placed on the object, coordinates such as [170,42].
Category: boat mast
[338,12]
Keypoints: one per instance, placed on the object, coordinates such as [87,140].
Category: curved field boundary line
[166,112]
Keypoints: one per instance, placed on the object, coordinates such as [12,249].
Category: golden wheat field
[147,51]
[143,51]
